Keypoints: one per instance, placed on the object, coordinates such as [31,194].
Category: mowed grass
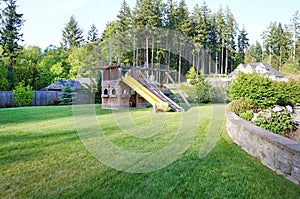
[42,156]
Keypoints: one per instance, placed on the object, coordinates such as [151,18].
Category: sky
[45,19]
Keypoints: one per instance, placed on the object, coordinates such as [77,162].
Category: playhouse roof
[75,84]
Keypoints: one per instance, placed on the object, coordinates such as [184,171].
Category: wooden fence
[42,98]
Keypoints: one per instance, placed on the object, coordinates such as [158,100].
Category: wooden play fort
[125,86]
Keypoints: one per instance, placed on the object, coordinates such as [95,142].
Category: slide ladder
[155,90]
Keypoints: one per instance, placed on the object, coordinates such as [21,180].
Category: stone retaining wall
[280,154]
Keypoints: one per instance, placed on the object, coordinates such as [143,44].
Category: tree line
[219,44]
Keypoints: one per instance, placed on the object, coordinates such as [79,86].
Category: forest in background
[219,43]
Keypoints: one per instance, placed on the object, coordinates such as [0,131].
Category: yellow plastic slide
[145,93]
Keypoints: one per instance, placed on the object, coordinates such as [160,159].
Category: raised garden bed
[277,152]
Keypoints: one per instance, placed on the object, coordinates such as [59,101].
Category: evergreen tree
[93,34]
[184,22]
[243,44]
[11,23]
[230,46]
[202,28]
[296,32]
[66,96]
[148,14]
[123,28]
[185,26]
[124,18]
[202,24]
[72,34]
[253,53]
[170,16]
[277,41]
[220,33]
[213,44]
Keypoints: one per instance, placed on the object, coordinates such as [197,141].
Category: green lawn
[42,156]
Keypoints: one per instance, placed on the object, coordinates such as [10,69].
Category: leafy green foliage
[254,53]
[263,91]
[259,89]
[218,94]
[22,94]
[202,90]
[192,75]
[279,122]
[248,115]
[288,93]
[241,105]
[4,84]
[66,96]
[26,66]
[290,68]
[98,93]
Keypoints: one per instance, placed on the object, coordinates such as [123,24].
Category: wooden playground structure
[125,86]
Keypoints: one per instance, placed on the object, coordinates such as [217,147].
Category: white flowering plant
[277,120]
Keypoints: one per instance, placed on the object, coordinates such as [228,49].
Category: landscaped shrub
[248,115]
[22,94]
[202,90]
[277,120]
[218,95]
[260,89]
[288,93]
[265,92]
[192,75]
[241,105]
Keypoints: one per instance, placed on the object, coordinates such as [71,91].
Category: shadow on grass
[41,113]
[23,149]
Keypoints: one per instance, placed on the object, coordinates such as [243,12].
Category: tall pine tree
[93,34]
[243,44]
[72,34]
[11,23]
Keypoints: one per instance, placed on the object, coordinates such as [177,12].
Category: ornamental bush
[265,92]
[202,90]
[248,115]
[288,93]
[259,89]
[241,105]
[277,120]
[22,94]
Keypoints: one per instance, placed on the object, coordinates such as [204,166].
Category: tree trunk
[203,60]
[294,46]
[222,57]
[147,51]
[216,63]
[209,62]
[137,57]
[226,60]
[179,67]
